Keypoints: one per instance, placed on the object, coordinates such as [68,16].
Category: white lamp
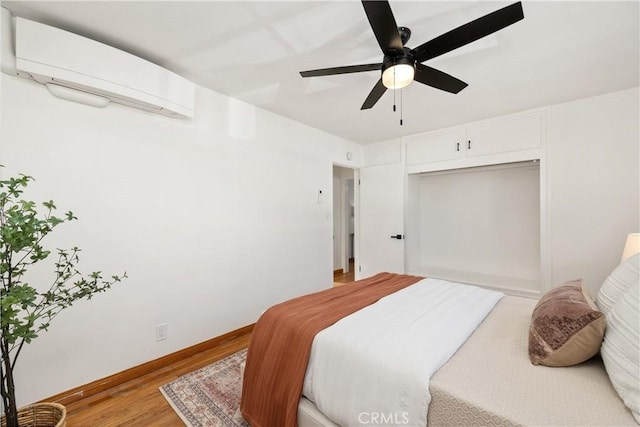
[632,246]
[398,73]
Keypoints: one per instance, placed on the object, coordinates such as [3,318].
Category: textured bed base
[310,416]
[490,381]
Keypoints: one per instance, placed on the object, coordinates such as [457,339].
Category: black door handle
[397,236]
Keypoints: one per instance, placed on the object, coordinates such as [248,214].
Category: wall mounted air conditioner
[84,70]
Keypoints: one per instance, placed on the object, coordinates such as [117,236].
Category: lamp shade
[398,72]
[398,76]
[632,246]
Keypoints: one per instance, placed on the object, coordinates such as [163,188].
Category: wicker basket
[41,415]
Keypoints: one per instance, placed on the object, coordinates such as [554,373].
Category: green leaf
[49,205]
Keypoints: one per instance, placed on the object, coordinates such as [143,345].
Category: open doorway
[343,225]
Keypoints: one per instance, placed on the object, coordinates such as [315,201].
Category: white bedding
[373,367]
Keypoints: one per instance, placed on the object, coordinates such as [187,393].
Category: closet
[477,225]
[473,209]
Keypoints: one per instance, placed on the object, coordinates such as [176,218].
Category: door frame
[344,214]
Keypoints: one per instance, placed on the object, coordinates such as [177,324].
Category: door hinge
[359,268]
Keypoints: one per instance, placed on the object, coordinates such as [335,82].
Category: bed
[490,380]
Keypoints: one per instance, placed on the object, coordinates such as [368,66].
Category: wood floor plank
[139,403]
[342,278]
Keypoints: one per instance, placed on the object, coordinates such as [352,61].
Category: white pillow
[617,283]
[621,347]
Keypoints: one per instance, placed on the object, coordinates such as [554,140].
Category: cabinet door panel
[506,135]
[437,147]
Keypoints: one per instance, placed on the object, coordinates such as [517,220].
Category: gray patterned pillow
[566,327]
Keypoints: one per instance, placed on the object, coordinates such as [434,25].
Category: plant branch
[26,311]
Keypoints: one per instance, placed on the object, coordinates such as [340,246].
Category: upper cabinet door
[505,140]
[520,133]
[447,145]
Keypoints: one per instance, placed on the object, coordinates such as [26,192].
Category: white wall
[382,153]
[594,184]
[213,219]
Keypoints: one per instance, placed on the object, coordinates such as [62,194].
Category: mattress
[490,381]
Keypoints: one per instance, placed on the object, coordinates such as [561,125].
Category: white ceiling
[253,51]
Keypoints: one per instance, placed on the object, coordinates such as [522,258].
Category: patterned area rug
[209,397]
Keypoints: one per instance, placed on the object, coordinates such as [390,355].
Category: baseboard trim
[95,387]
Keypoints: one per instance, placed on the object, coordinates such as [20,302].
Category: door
[343,222]
[381,216]
[520,133]
[446,145]
[337,221]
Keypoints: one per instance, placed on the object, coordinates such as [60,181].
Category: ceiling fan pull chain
[394,91]
[400,107]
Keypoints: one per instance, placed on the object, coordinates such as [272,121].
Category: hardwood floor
[342,278]
[139,401]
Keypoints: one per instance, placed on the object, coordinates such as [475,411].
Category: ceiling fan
[401,65]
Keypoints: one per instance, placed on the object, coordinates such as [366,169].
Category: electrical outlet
[162,331]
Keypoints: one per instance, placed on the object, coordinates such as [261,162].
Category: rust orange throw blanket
[281,343]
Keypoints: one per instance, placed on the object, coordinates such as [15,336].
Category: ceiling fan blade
[469,32]
[378,90]
[341,70]
[438,79]
[383,25]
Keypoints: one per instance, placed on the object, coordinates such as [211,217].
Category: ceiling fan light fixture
[398,74]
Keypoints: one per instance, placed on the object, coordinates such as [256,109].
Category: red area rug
[209,397]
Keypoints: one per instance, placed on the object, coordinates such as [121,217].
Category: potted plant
[28,310]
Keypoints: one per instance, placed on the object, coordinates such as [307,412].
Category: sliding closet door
[381,217]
